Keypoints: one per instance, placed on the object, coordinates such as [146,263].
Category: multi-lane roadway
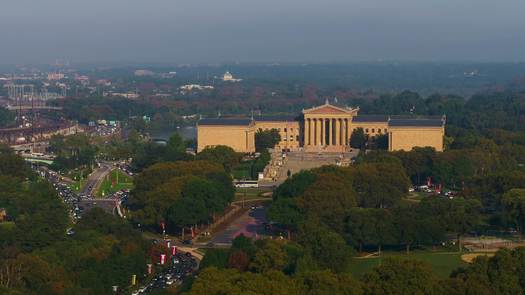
[96,178]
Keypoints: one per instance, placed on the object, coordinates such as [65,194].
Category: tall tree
[358,139]
[400,276]
[220,154]
[514,204]
[265,139]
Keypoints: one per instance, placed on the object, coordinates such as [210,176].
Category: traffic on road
[182,265]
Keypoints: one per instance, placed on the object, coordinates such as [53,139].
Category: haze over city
[298,147]
[261,31]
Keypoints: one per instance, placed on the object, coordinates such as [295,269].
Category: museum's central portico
[328,128]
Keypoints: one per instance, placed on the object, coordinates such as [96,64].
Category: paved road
[249,224]
[95,178]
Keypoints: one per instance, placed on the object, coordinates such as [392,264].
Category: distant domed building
[228,77]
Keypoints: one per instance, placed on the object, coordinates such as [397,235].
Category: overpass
[30,108]
[37,133]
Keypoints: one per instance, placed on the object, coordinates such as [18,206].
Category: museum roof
[370,118]
[276,118]
[420,122]
[226,121]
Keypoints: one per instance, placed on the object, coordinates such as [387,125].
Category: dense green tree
[182,193]
[407,225]
[260,163]
[12,165]
[216,282]
[400,276]
[380,185]
[358,139]
[270,255]
[217,258]
[175,148]
[40,217]
[6,117]
[326,282]
[244,244]
[72,151]
[265,139]
[327,248]
[239,260]
[328,199]
[220,154]
[501,274]
[514,204]
[418,163]
[381,142]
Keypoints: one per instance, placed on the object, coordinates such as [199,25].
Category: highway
[95,179]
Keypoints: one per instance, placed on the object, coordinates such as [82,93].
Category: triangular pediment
[327,109]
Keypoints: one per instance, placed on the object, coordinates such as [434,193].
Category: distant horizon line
[257,63]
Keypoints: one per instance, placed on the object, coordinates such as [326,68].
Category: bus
[246,183]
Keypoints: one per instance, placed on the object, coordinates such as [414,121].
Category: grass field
[250,193]
[7,225]
[243,170]
[79,178]
[77,186]
[443,263]
[115,181]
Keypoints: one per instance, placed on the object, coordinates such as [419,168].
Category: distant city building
[82,78]
[143,73]
[130,95]
[326,128]
[228,77]
[168,75]
[55,76]
[192,87]
[103,82]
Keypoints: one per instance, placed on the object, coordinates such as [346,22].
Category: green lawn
[115,181]
[7,225]
[79,178]
[243,170]
[443,263]
[77,185]
[250,193]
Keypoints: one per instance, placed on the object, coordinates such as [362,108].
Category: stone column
[338,131]
[323,131]
[318,129]
[316,132]
[311,132]
[306,131]
[345,132]
[330,132]
[390,141]
[288,136]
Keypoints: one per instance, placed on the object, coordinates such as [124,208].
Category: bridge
[37,133]
[31,108]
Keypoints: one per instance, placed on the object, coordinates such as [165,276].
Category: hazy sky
[184,31]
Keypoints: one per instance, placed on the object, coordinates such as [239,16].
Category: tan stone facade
[240,137]
[406,138]
[325,128]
